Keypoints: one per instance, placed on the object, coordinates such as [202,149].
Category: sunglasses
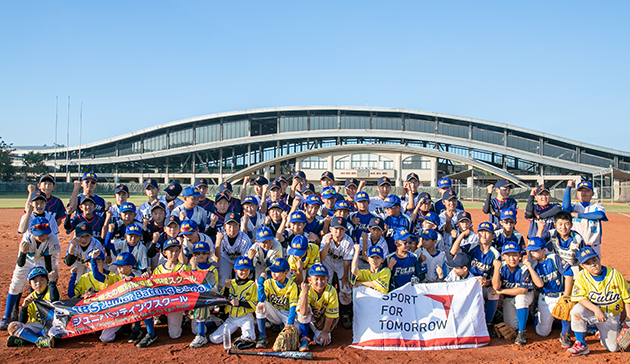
[43,226]
[90,182]
[187,229]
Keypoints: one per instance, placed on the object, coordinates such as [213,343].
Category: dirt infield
[88,348]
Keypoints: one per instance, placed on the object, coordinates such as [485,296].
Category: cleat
[147,340]
[521,339]
[261,343]
[304,344]
[491,331]
[4,323]
[45,342]
[578,349]
[565,341]
[135,336]
[14,341]
[199,341]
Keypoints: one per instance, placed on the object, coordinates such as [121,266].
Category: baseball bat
[283,354]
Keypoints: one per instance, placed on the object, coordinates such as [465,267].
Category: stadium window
[323,122]
[387,123]
[289,124]
[416,162]
[314,162]
[208,133]
[351,122]
[235,129]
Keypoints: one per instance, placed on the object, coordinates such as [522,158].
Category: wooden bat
[307,355]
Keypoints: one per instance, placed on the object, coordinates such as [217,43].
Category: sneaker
[598,335]
[147,340]
[578,349]
[346,322]
[304,344]
[565,341]
[45,342]
[199,341]
[261,343]
[135,336]
[521,339]
[4,323]
[14,341]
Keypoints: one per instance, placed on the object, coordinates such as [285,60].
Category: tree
[33,165]
[7,170]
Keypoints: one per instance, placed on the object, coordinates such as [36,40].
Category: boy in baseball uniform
[587,216]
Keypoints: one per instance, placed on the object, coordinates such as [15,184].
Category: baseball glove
[623,340]
[562,310]
[287,339]
[504,331]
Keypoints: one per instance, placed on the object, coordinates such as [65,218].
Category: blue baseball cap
[264,233]
[170,242]
[485,226]
[85,199]
[298,246]
[250,199]
[313,200]
[328,175]
[299,174]
[318,270]
[83,228]
[281,179]
[377,222]
[361,196]
[101,254]
[449,194]
[391,201]
[339,221]
[429,234]
[503,183]
[536,243]
[275,205]
[221,195]
[459,260]
[225,186]
[232,217]
[445,182]
[279,265]
[47,177]
[384,180]
[243,263]
[36,271]
[351,181]
[585,184]
[188,227]
[40,226]
[542,188]
[89,175]
[125,258]
[261,181]
[191,191]
[511,248]
[201,247]
[200,182]
[127,206]
[464,215]
[121,188]
[150,182]
[424,197]
[308,187]
[297,216]
[133,229]
[508,213]
[37,195]
[173,219]
[342,205]
[375,250]
[329,193]
[158,204]
[585,254]
[411,176]
[173,189]
[401,234]
[275,184]
[432,217]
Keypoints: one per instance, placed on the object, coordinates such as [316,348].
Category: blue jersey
[549,212]
[314,226]
[405,268]
[519,278]
[362,226]
[480,263]
[516,238]
[552,271]
[98,201]
[207,205]
[235,206]
[393,223]
[96,222]
[497,206]
[56,208]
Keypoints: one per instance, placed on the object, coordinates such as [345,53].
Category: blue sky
[556,67]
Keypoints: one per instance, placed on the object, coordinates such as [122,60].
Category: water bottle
[593,319]
[227,338]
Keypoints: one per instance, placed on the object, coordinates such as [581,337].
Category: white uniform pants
[245,323]
[19,280]
[108,335]
[510,305]
[336,266]
[307,319]
[543,316]
[607,329]
[174,320]
[273,315]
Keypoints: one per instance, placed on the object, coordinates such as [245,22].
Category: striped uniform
[82,255]
[162,199]
[139,252]
[432,262]
[363,264]
[568,249]
[229,253]
[337,254]
[254,223]
[264,258]
[198,215]
[54,229]
[35,257]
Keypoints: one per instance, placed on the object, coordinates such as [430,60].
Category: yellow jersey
[179,267]
[88,281]
[33,312]
[244,292]
[281,298]
[380,278]
[610,294]
[326,304]
[312,257]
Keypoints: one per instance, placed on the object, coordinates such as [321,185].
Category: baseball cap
[377,222]
[40,226]
[361,196]
[83,228]
[449,194]
[342,205]
[243,263]
[485,226]
[36,271]
[313,200]
[275,205]
[391,201]
[424,197]
[275,184]
[261,181]
[329,193]
[37,195]
[158,205]
[375,250]
[150,182]
[127,206]
[200,182]
[297,216]
[308,187]
[464,215]
[432,217]
[173,219]
[264,233]
[221,195]
[536,243]
[411,176]
[511,248]
[173,189]
[339,222]
[89,175]
[585,254]
[585,184]
[170,242]
[125,258]
[188,227]
[121,188]
[191,191]
[133,229]
[101,254]
[429,234]
[351,181]
[459,260]
[445,182]
[250,199]
[201,246]
[328,175]
[503,183]
[298,246]
[225,186]
[542,188]
[47,178]
[281,179]
[318,270]
[401,234]
[232,217]
[299,174]
[508,213]
[384,180]
[87,199]
[279,265]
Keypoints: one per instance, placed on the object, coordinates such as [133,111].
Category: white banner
[420,317]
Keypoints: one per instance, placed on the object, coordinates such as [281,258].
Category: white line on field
[624,214]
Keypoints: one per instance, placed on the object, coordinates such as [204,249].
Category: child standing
[587,216]
[542,211]
[494,206]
